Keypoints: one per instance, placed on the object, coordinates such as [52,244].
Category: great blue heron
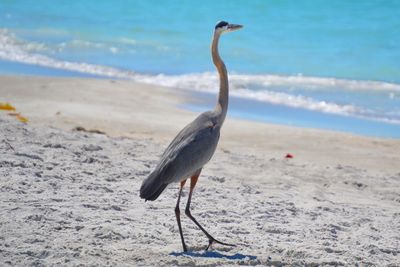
[194,146]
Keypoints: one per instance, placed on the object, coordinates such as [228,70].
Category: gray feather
[190,150]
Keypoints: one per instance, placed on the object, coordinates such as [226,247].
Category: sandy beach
[70,197]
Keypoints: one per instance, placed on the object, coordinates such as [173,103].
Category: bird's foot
[211,241]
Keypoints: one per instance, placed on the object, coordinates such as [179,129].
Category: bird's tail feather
[152,187]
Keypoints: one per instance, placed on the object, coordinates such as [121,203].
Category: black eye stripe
[221,24]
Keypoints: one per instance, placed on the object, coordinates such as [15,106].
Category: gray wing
[190,150]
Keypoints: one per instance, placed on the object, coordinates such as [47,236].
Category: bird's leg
[211,239]
[178,215]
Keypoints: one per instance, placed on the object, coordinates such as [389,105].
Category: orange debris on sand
[19,117]
[6,106]
[22,118]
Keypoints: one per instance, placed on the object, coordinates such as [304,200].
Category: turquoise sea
[311,63]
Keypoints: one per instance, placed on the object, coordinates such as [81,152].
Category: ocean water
[312,63]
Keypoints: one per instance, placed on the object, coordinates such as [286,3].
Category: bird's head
[223,26]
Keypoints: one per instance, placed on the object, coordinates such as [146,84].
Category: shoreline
[255,109]
[275,114]
[126,108]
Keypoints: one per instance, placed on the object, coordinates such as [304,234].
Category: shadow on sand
[213,254]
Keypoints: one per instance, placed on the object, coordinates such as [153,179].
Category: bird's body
[190,150]
[194,145]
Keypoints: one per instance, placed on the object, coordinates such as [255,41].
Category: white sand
[71,198]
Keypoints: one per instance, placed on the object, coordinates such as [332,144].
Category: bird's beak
[234,27]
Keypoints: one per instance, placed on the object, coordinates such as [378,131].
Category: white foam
[88,44]
[242,86]
[209,81]
[128,41]
[12,49]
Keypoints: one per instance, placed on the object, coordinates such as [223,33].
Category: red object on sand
[289,156]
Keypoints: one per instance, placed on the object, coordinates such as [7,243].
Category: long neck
[222,103]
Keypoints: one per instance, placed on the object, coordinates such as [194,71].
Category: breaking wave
[264,88]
